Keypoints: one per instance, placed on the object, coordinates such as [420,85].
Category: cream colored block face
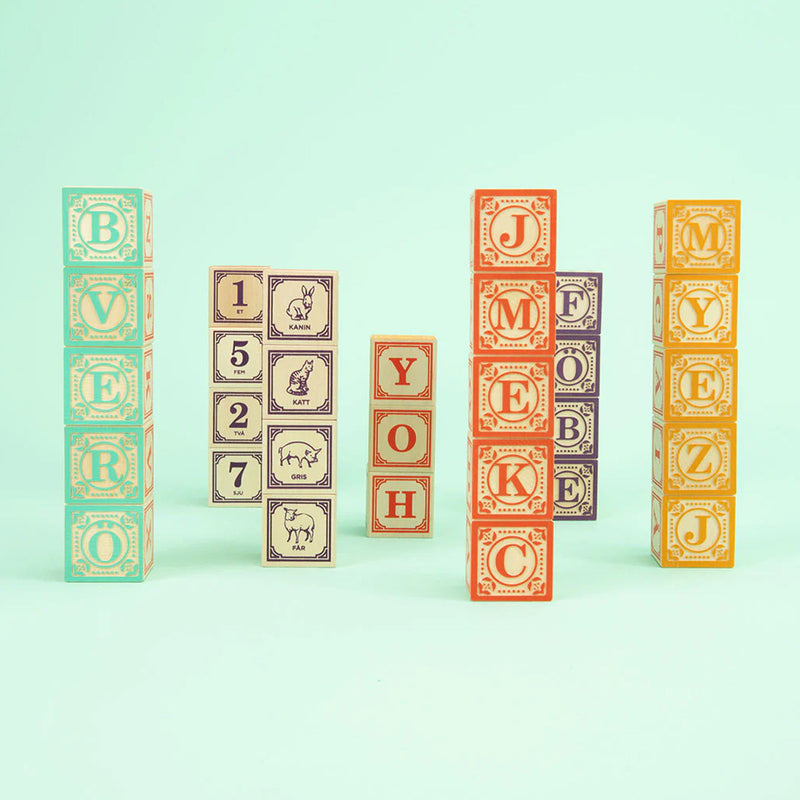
[403,369]
[658,382]
[402,438]
[234,477]
[658,310]
[700,311]
[699,385]
[299,456]
[399,505]
[300,382]
[236,356]
[302,307]
[236,296]
[235,417]
[299,531]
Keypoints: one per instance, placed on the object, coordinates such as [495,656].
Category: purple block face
[575,428]
[575,490]
[577,365]
[578,302]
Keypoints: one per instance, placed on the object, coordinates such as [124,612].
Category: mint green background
[349,135]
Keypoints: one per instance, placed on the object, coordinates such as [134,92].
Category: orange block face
[400,506]
[692,532]
[513,313]
[401,438]
[510,478]
[512,395]
[510,561]
[403,368]
[696,236]
[514,229]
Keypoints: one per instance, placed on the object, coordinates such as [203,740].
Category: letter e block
[575,490]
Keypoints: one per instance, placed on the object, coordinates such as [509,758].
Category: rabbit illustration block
[299,456]
[510,560]
[108,543]
[513,313]
[694,384]
[399,505]
[111,465]
[234,477]
[696,236]
[510,478]
[694,457]
[578,302]
[575,490]
[107,226]
[236,296]
[577,365]
[299,531]
[514,229]
[300,382]
[236,356]
[402,439]
[403,369]
[511,395]
[235,417]
[108,307]
[302,308]
[575,428]
[689,531]
[694,311]
[108,385]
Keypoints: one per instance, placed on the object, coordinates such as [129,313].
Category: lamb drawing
[298,523]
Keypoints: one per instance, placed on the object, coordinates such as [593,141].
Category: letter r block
[403,369]
[400,505]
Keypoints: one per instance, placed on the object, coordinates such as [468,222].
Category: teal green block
[108,543]
[104,226]
[108,306]
[108,465]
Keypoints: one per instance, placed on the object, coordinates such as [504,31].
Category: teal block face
[107,226]
[108,385]
[108,465]
[108,307]
[108,543]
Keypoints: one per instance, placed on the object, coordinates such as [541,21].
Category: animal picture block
[300,382]
[299,456]
[236,296]
[303,308]
[299,531]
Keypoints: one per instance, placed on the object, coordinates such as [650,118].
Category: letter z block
[403,369]
[400,505]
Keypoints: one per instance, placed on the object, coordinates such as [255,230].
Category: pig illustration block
[577,365]
[403,369]
[235,417]
[302,307]
[299,531]
[575,490]
[236,356]
[578,304]
[300,382]
[401,438]
[234,477]
[236,296]
[399,505]
[299,456]
[575,428]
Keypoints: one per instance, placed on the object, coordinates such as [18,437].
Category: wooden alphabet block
[236,356]
[235,417]
[510,560]
[299,531]
[400,505]
[575,490]
[403,369]
[303,308]
[107,226]
[236,296]
[577,365]
[578,303]
[234,477]
[300,382]
[108,543]
[696,236]
[575,428]
[299,456]
[401,439]
[514,229]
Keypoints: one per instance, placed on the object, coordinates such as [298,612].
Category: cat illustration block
[236,296]
[111,465]
[575,428]
[299,456]
[510,478]
[108,385]
[513,313]
[510,560]
[236,356]
[694,384]
[235,417]
[694,310]
[577,365]
[299,531]
[694,457]
[403,368]
[234,477]
[302,307]
[108,543]
[511,395]
[107,226]
[696,236]
[402,439]
[575,490]
[578,302]
[514,229]
[108,307]
[688,531]
[399,505]
[300,382]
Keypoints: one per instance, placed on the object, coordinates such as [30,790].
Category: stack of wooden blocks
[510,449]
[577,376]
[300,377]
[108,383]
[696,261]
[236,319]
[402,426]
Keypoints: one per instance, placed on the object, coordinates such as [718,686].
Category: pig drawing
[300,452]
[298,523]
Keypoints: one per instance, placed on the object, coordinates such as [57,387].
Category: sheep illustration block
[236,296]
[514,230]
[575,490]
[303,308]
[236,356]
[510,560]
[108,385]
[696,236]
[299,531]
[235,417]
[403,369]
[577,365]
[575,428]
[107,226]
[401,439]
[108,543]
[400,505]
[578,302]
[234,477]
[299,456]
[300,382]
